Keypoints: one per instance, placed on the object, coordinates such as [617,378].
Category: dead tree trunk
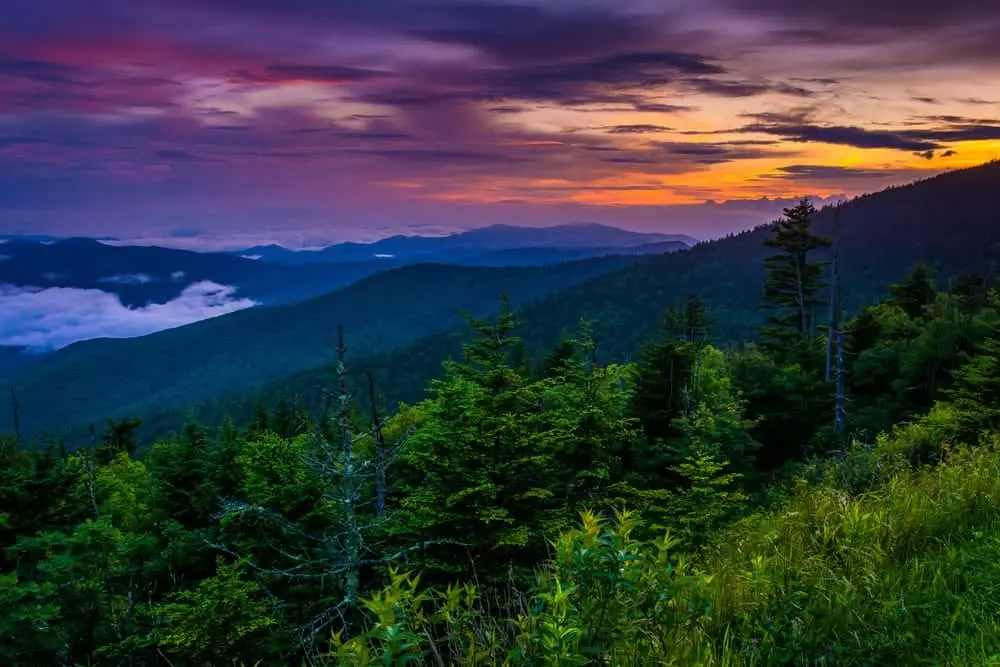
[348,486]
[380,485]
[836,342]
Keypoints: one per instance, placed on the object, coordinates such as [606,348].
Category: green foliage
[902,573]
[502,460]
[742,532]
[223,616]
[976,393]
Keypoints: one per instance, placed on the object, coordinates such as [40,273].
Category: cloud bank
[48,319]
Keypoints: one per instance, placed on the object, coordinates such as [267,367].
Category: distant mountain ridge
[475,246]
[140,275]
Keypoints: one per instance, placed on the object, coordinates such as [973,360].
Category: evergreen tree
[121,437]
[558,358]
[915,295]
[690,323]
[794,282]
[260,421]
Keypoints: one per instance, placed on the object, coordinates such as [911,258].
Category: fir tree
[915,295]
[794,282]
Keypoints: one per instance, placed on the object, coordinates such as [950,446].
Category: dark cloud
[789,116]
[638,129]
[820,172]
[874,13]
[858,137]
[527,33]
[654,107]
[920,141]
[960,120]
[629,160]
[317,73]
[443,156]
[642,69]
[37,70]
[746,88]
[613,82]
[907,32]
[959,132]
[715,153]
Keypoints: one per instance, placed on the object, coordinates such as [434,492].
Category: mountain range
[53,291]
[496,245]
[140,275]
[402,323]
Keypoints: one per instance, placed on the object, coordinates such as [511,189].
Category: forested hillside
[825,495]
[95,380]
[951,223]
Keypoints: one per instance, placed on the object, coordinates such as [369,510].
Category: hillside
[951,222]
[105,378]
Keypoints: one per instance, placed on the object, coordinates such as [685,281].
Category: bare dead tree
[349,488]
[832,315]
[380,485]
[840,396]
[342,553]
[91,474]
[835,342]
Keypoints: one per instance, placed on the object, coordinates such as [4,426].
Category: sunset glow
[328,120]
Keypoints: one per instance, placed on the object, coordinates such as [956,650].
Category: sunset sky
[218,122]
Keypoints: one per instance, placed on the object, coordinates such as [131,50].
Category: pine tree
[480,466]
[259,422]
[121,437]
[662,379]
[915,295]
[690,323]
[794,282]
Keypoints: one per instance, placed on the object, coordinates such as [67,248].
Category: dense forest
[824,494]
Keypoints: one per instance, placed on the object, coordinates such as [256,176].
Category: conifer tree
[916,293]
[794,281]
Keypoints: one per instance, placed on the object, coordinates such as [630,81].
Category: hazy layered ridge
[248,348]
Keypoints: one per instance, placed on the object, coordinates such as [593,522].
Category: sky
[207,123]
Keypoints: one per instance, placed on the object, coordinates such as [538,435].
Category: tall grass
[876,561]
